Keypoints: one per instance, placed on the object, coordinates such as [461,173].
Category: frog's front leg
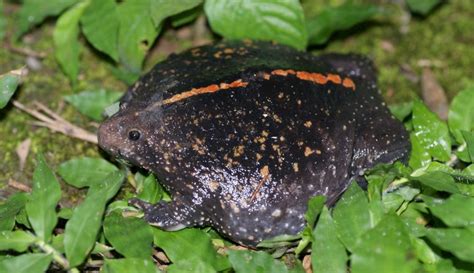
[171,216]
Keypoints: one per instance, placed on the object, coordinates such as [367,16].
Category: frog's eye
[134,135]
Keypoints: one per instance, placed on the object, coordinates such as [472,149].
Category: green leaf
[455,240]
[419,157]
[423,251]
[332,19]
[41,208]
[351,216]
[189,244]
[190,266]
[33,12]
[149,189]
[85,171]
[431,132]
[251,261]
[93,103]
[186,17]
[438,180]
[461,113]
[278,20]
[315,205]
[328,254]
[100,25]
[18,240]
[8,84]
[26,263]
[82,229]
[136,34]
[422,7]
[386,246]
[162,9]
[129,265]
[66,40]
[130,236]
[8,210]
[469,138]
[401,110]
[456,211]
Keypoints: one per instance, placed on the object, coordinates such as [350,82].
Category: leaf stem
[57,256]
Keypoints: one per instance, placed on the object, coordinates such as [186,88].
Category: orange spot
[281,72]
[334,78]
[314,77]
[266,76]
[203,90]
[348,83]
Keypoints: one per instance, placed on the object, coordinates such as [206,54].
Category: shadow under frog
[242,134]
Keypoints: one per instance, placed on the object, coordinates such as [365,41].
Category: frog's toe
[143,205]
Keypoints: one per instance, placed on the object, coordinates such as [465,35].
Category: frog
[242,134]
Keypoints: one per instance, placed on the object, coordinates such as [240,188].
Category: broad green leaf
[315,205]
[461,113]
[438,180]
[136,33]
[455,240]
[401,110]
[162,9]
[328,254]
[189,244]
[33,12]
[456,211]
[8,210]
[85,171]
[18,240]
[82,229]
[190,266]
[332,19]
[66,40]
[8,84]
[26,263]
[385,248]
[100,25]
[41,208]
[130,236]
[351,215]
[129,265]
[423,251]
[469,138]
[422,7]
[244,261]
[431,132]
[419,157]
[93,103]
[278,20]
[149,189]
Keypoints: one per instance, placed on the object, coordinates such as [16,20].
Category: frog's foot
[169,216]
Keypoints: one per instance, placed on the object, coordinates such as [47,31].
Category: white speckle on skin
[276,213]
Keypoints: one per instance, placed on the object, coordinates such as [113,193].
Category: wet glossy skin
[243,134]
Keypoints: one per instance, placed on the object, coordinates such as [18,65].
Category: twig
[26,51]
[56,123]
[18,185]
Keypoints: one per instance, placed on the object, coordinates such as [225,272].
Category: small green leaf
[82,229]
[100,25]
[469,138]
[136,33]
[8,210]
[461,114]
[422,7]
[423,251]
[438,180]
[419,157]
[186,17]
[251,261]
[130,236]
[66,40]
[431,132]
[129,265]
[189,244]
[328,254]
[85,171]
[45,195]
[33,12]
[455,240]
[315,205]
[332,19]
[386,246]
[18,240]
[8,84]
[401,110]
[93,103]
[149,189]
[351,216]
[456,211]
[278,20]
[26,263]
[162,9]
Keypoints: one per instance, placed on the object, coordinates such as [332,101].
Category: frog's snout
[109,136]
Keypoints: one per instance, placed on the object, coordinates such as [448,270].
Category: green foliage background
[416,218]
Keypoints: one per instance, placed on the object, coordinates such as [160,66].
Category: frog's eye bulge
[243,134]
